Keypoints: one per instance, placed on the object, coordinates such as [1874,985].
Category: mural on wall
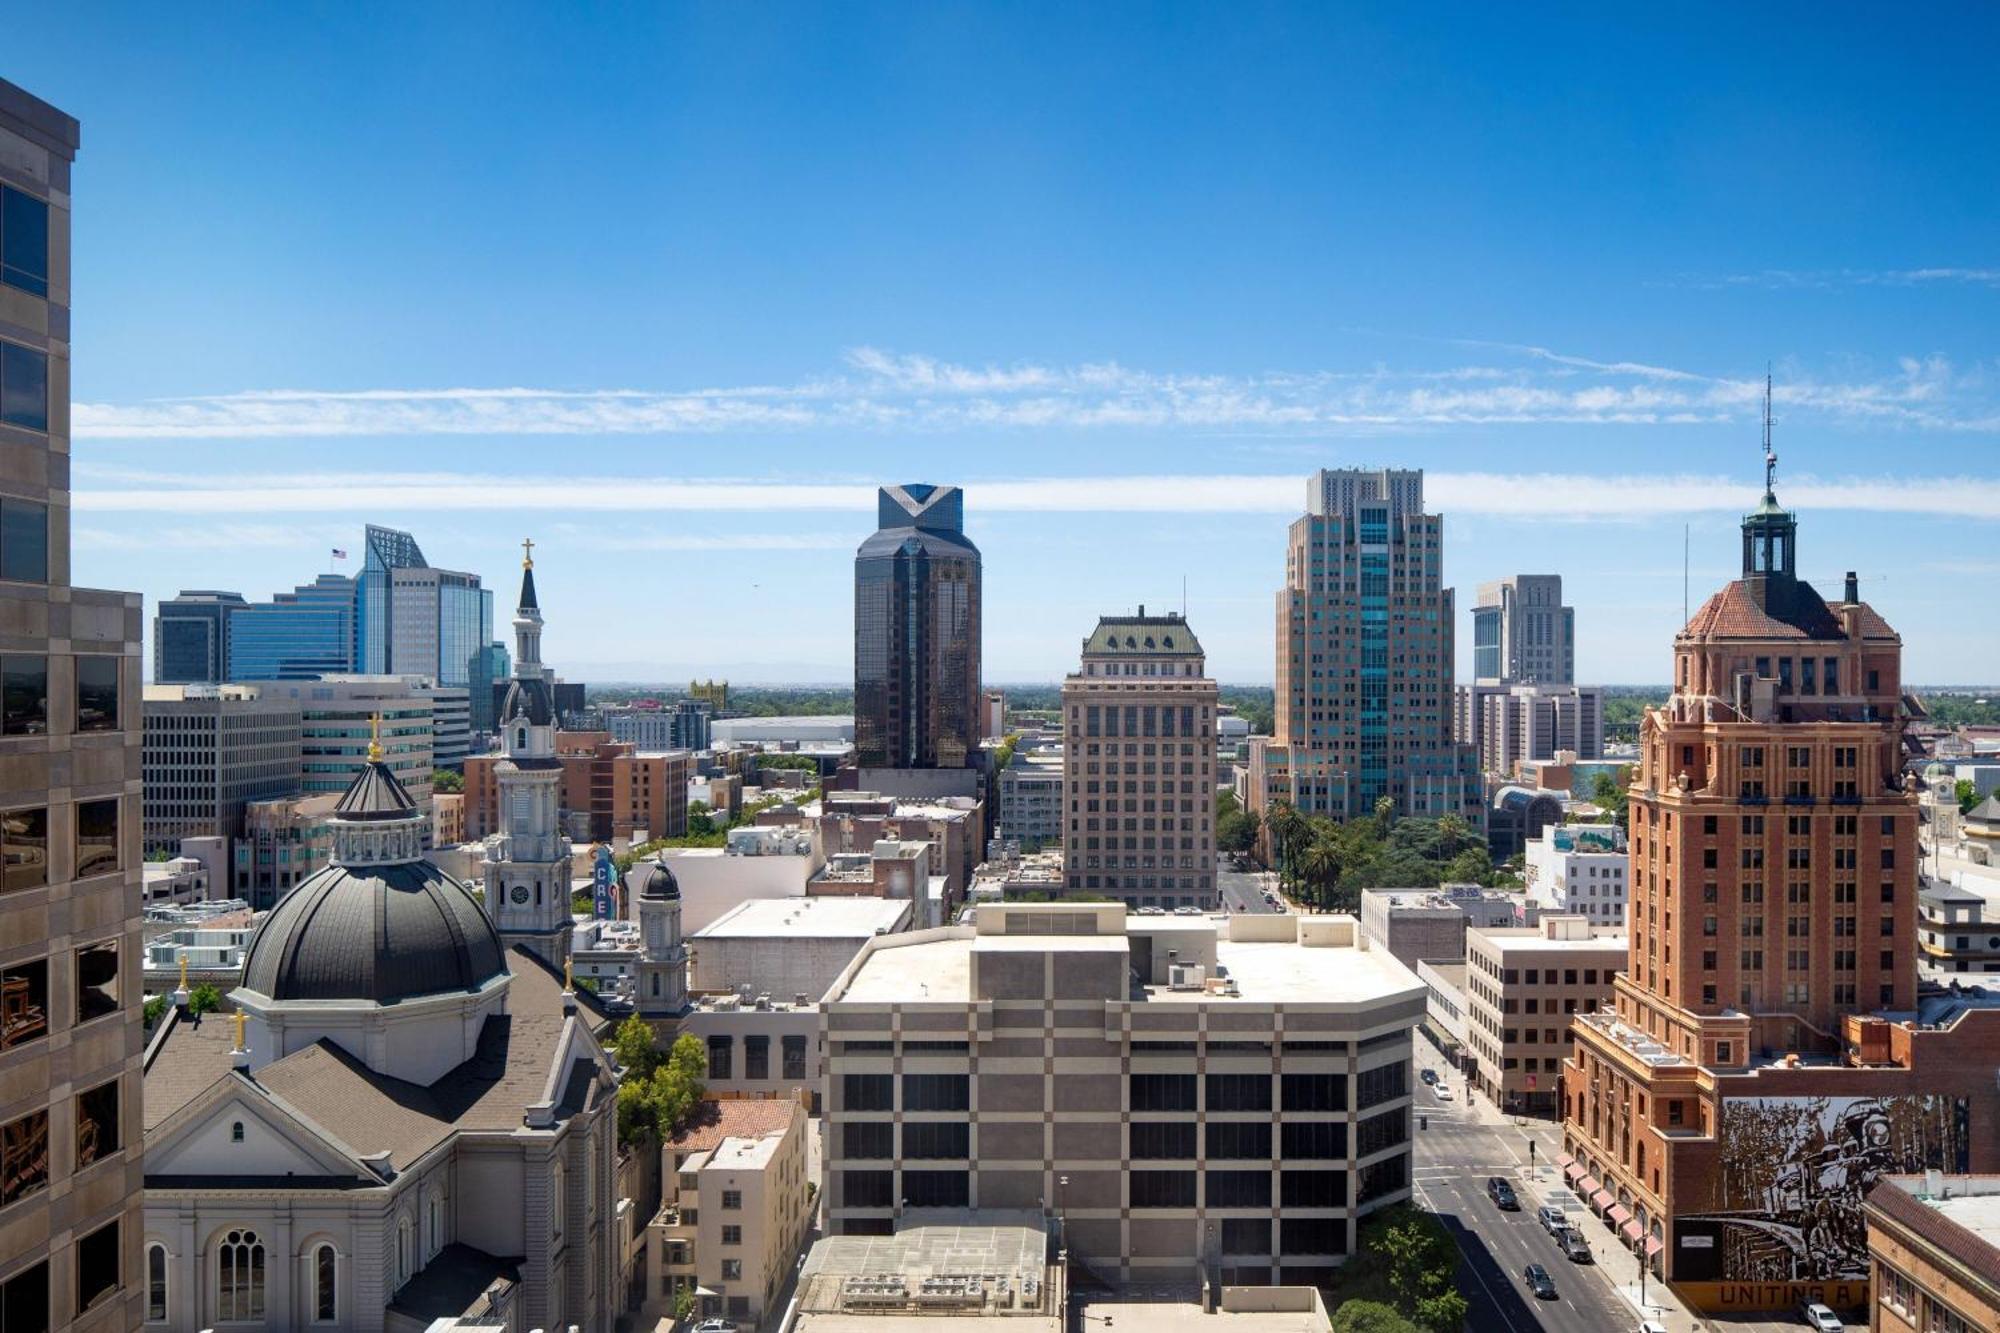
[1793,1171]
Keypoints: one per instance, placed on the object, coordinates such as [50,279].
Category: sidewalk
[1620,1264]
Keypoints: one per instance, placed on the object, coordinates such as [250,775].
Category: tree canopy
[1328,864]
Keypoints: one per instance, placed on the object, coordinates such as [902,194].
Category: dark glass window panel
[1239,1092]
[1377,1085]
[1315,1092]
[721,1061]
[1239,1189]
[1314,1139]
[937,1189]
[1233,1138]
[96,837]
[24,242]
[1385,1177]
[1154,1139]
[325,1303]
[24,695]
[1379,1132]
[868,1139]
[1163,1092]
[868,1092]
[97,694]
[24,1157]
[96,981]
[794,1057]
[24,843]
[24,387]
[1246,1235]
[1313,1189]
[757,1057]
[1311,1235]
[156,1284]
[24,541]
[868,1189]
[97,1266]
[24,1002]
[1162,1189]
[952,1140]
[24,1301]
[96,1124]
[936,1092]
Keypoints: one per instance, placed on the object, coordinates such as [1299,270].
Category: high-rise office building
[340,717]
[1364,670]
[1522,633]
[191,637]
[916,633]
[1768,1052]
[1139,765]
[297,635]
[490,669]
[416,619]
[71,1182]
[209,751]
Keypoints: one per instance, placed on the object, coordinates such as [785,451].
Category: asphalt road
[1243,890]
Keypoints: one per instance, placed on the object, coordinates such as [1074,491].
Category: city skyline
[1161,272]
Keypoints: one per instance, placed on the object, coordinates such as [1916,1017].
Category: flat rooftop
[831,917]
[1157,1316]
[1510,939]
[735,1154]
[947,1277]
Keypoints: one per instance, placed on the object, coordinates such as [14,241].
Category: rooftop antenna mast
[1770,455]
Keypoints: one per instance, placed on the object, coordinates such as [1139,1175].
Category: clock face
[520,894]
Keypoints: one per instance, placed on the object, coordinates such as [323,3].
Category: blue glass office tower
[296,635]
[384,550]
[191,637]
[415,619]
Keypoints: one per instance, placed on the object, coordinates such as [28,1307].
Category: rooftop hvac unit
[725,1004]
[1185,976]
[764,1001]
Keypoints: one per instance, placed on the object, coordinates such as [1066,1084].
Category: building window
[239,1278]
[936,1092]
[794,1057]
[96,981]
[24,242]
[1156,1139]
[1239,1189]
[732,1270]
[1239,1092]
[156,1284]
[96,837]
[96,1124]
[97,693]
[937,1189]
[720,1053]
[24,397]
[24,1158]
[868,1139]
[24,848]
[1163,1092]
[732,1200]
[950,1140]
[1313,1139]
[1162,1189]
[24,695]
[1315,1092]
[97,1268]
[24,1002]
[757,1057]
[868,1189]
[868,1092]
[326,1301]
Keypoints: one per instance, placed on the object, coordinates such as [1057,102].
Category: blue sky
[671,288]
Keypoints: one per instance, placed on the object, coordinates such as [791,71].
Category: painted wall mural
[1793,1172]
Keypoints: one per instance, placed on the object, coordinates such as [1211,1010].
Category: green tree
[632,1044]
[204,999]
[445,779]
[678,1084]
[684,1302]
[1452,832]
[701,822]
[1320,864]
[1609,796]
[1288,830]
[1360,1316]
[155,1009]
[1442,1311]
[1385,813]
[1968,795]
[1421,1262]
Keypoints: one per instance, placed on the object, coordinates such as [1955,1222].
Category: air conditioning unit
[1186,976]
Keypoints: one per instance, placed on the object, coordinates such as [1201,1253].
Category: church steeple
[528,618]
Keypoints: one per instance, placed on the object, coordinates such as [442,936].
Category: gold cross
[527,553]
[375,737]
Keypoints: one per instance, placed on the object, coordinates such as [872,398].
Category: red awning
[1602,1199]
[1653,1246]
[1564,1160]
[1588,1186]
[1572,1171]
[1632,1231]
[1618,1216]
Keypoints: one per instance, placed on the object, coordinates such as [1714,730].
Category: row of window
[24,694]
[240,1273]
[756,1057]
[24,843]
[24,1297]
[25,1149]
[24,993]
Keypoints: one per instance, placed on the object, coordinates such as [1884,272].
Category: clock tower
[528,860]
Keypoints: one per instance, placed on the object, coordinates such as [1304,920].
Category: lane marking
[1477,1276]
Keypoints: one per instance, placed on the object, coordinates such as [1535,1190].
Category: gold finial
[241,1019]
[569,977]
[375,738]
[184,969]
[527,552]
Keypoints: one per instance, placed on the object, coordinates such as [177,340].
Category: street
[1243,890]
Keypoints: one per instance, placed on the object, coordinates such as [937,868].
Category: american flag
[339,554]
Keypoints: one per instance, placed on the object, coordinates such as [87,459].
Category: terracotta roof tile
[733,1118]
[1734,613]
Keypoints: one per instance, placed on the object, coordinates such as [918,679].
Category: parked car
[1551,1218]
[1442,1091]
[1540,1282]
[1501,1192]
[715,1326]
[1575,1248]
[1820,1319]
[1428,1075]
[1651,1326]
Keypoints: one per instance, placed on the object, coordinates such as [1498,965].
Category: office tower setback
[209,751]
[70,945]
[1139,765]
[310,631]
[1768,1052]
[416,619]
[1364,669]
[191,637]
[916,633]
[1522,633]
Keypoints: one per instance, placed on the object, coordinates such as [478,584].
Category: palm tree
[1286,825]
[1385,813]
[1320,863]
[1452,831]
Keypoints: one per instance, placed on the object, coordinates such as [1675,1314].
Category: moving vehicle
[1502,1194]
[1442,1090]
[1187,911]
[1820,1319]
[1575,1248]
[1651,1326]
[1540,1282]
[1428,1075]
[1551,1218]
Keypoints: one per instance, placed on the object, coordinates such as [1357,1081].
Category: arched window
[433,1225]
[239,1278]
[325,1268]
[156,1284]
[556,1204]
[406,1250]
[236,1132]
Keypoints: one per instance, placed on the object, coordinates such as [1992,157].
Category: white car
[1651,1326]
[1820,1319]
[1442,1090]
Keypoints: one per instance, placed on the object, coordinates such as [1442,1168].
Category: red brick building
[617,788]
[1767,1054]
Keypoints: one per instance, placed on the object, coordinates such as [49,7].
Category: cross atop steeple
[527,552]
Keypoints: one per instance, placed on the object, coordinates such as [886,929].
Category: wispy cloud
[1786,279]
[1512,495]
[877,391]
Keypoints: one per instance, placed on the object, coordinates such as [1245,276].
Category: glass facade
[297,635]
[384,549]
[916,650]
[465,626]
[191,638]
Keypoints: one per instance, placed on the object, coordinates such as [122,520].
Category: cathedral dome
[659,882]
[380,924]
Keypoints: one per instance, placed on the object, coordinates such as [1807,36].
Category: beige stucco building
[1139,765]
[1522,985]
[1180,1096]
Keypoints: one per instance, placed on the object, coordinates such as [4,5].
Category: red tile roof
[735,1118]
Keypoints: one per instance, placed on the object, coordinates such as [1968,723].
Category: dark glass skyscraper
[916,633]
[191,637]
[297,635]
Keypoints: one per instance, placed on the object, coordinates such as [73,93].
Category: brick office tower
[1767,1054]
[1139,765]
[70,948]
[1364,666]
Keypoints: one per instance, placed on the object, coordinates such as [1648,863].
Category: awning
[1588,1186]
[1564,1160]
[1602,1199]
[1632,1231]
[1653,1246]
[1572,1170]
[1619,1215]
